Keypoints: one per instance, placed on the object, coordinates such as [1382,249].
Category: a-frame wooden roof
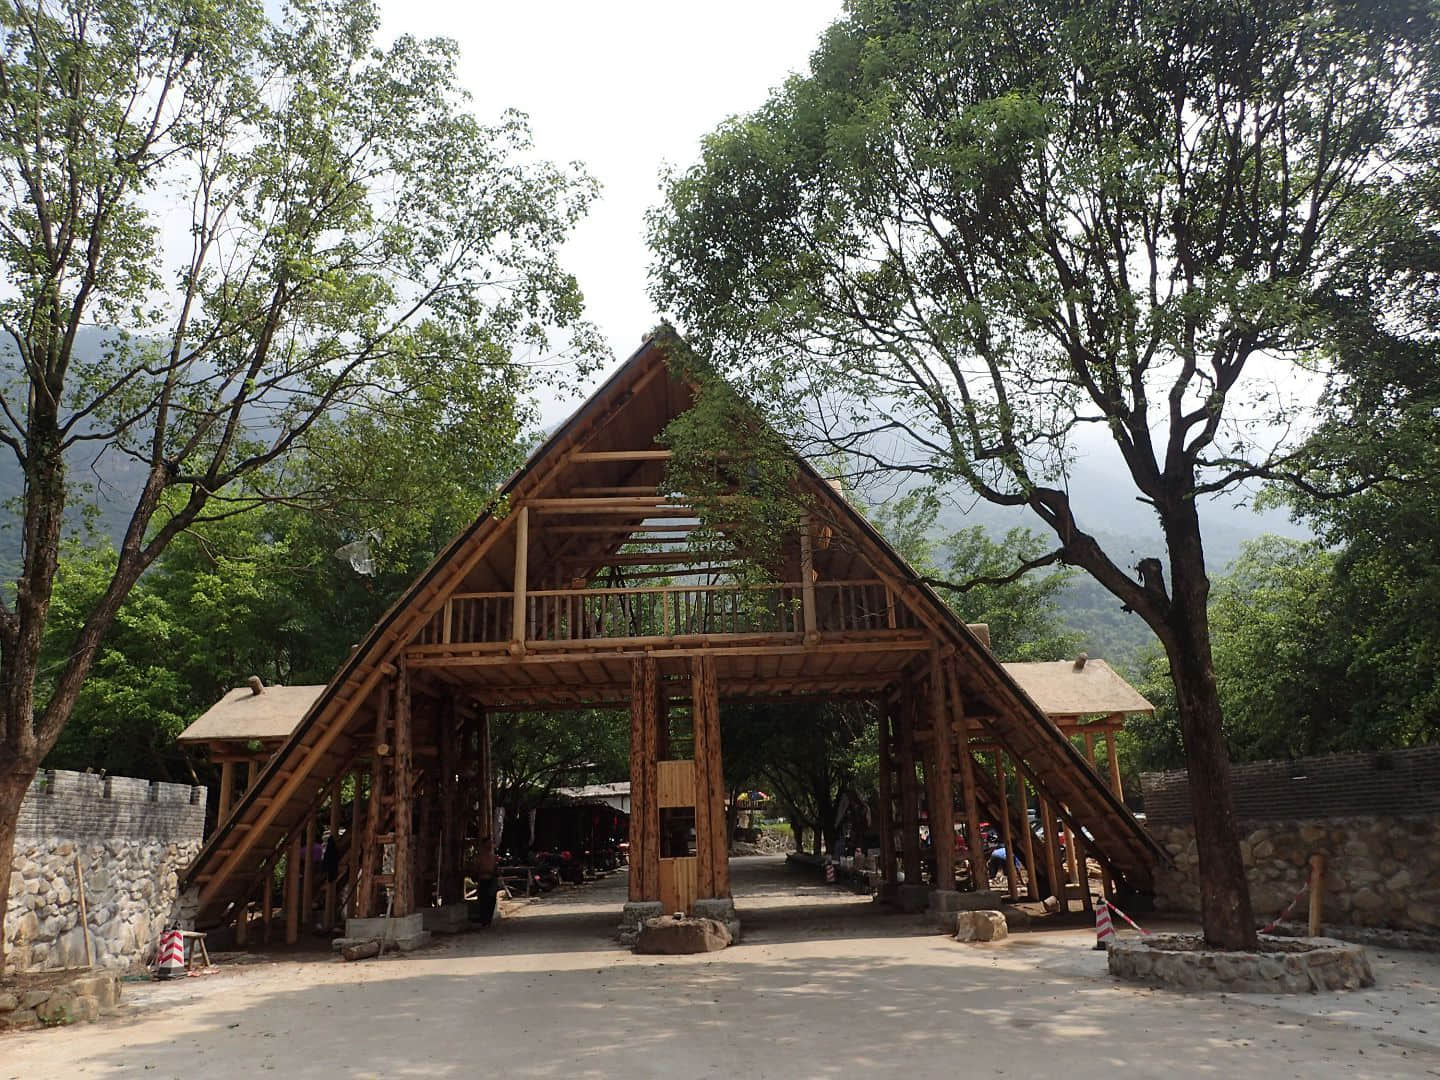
[885,621]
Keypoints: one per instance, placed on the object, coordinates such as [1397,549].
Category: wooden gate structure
[512,615]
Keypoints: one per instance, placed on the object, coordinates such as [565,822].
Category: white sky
[624,87]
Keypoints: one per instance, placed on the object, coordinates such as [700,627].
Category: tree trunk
[15,780]
[1225,909]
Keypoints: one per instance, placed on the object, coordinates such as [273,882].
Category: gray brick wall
[80,807]
[1392,783]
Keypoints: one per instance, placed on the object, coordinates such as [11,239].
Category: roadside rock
[676,935]
[980,926]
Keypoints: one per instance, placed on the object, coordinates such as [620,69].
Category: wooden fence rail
[666,611]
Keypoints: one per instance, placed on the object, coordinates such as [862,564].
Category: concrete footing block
[633,916]
[912,899]
[446,919]
[403,932]
[722,910]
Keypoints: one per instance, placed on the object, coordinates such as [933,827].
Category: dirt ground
[822,985]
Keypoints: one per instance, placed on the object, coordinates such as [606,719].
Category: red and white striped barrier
[1127,918]
[830,873]
[1288,908]
[170,958]
[1104,928]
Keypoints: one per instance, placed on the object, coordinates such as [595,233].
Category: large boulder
[980,926]
[675,935]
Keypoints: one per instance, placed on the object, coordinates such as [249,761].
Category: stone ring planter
[1282,966]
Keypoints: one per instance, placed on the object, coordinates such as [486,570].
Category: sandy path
[821,986]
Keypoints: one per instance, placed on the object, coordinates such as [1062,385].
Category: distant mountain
[1106,506]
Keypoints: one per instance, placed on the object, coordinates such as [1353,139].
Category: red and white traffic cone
[1104,931]
[170,958]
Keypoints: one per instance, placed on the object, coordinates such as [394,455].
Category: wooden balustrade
[665,612]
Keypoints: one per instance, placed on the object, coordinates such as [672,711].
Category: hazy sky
[624,87]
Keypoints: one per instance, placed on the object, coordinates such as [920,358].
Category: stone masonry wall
[131,838]
[1375,818]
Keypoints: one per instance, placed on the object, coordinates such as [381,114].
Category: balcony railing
[667,611]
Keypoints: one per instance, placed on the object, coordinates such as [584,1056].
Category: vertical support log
[1115,784]
[1007,833]
[522,570]
[292,889]
[1090,749]
[485,845]
[450,884]
[1052,853]
[331,883]
[1032,883]
[252,770]
[1070,860]
[404,799]
[942,805]
[1082,871]
[807,583]
[356,838]
[909,796]
[227,791]
[973,838]
[370,863]
[887,793]
[267,902]
[307,875]
[712,862]
[242,923]
[644,812]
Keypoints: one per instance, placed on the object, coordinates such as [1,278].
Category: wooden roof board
[243,714]
[1062,689]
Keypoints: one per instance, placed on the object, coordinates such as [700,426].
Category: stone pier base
[633,916]
[945,904]
[403,932]
[912,899]
[446,919]
[722,910]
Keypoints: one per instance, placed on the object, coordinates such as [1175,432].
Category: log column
[712,854]
[644,810]
[1032,880]
[450,883]
[485,862]
[357,834]
[293,862]
[942,789]
[227,791]
[404,881]
[973,840]
[909,795]
[887,794]
[1007,835]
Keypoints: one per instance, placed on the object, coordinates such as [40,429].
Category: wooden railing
[666,611]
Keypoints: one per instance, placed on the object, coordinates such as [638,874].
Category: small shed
[246,727]
[1083,697]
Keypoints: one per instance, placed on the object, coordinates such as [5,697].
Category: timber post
[227,791]
[1032,881]
[713,864]
[1007,832]
[404,883]
[942,799]
[644,809]
[973,840]
[807,583]
[522,571]
[887,793]
[909,797]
